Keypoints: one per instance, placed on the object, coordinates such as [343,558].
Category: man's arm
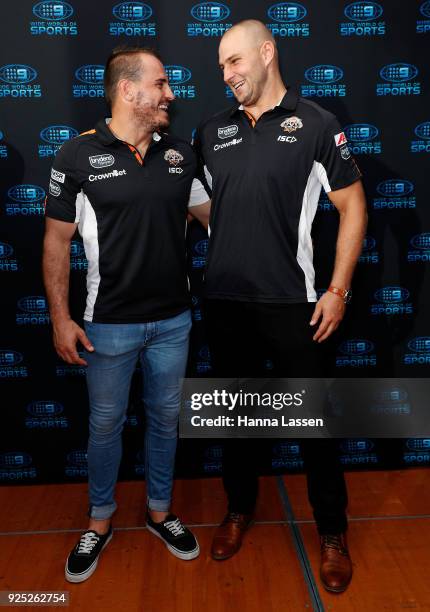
[201,212]
[56,272]
[351,204]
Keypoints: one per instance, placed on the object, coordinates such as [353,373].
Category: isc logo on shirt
[287,139]
[175,170]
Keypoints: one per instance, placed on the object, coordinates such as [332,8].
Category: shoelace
[87,542]
[175,527]
[333,541]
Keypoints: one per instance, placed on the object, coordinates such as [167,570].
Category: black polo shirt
[131,214]
[266,182]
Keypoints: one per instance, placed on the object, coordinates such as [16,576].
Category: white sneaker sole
[84,575]
[185,556]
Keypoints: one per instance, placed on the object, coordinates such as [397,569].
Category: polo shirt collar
[288,102]
[106,136]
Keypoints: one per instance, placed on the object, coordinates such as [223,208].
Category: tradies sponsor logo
[228,131]
[101,161]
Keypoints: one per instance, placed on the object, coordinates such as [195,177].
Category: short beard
[145,115]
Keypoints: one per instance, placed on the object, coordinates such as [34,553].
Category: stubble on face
[146,113]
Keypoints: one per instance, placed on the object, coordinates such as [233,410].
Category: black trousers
[242,336]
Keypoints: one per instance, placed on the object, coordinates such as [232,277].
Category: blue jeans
[162,347]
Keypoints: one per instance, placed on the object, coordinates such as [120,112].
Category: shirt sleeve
[64,199]
[201,189]
[337,167]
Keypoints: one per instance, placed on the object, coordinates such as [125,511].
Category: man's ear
[126,90]
[267,51]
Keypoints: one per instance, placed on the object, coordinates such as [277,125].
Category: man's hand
[332,309]
[66,336]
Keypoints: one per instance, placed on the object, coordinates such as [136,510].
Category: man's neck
[126,130]
[271,97]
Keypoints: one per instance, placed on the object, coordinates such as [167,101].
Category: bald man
[266,159]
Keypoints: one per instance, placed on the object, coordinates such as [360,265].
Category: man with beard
[126,186]
[267,158]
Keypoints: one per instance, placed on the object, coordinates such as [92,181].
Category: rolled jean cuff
[159,505]
[102,513]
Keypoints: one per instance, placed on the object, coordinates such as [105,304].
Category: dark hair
[124,63]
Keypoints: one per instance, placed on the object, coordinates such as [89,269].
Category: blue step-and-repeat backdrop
[365,61]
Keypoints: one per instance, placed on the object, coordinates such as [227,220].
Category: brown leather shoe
[228,536]
[336,566]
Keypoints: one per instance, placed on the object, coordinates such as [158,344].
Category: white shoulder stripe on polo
[322,176]
[89,232]
[304,255]
[78,205]
[208,176]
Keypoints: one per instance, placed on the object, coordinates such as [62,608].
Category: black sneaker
[178,539]
[83,559]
